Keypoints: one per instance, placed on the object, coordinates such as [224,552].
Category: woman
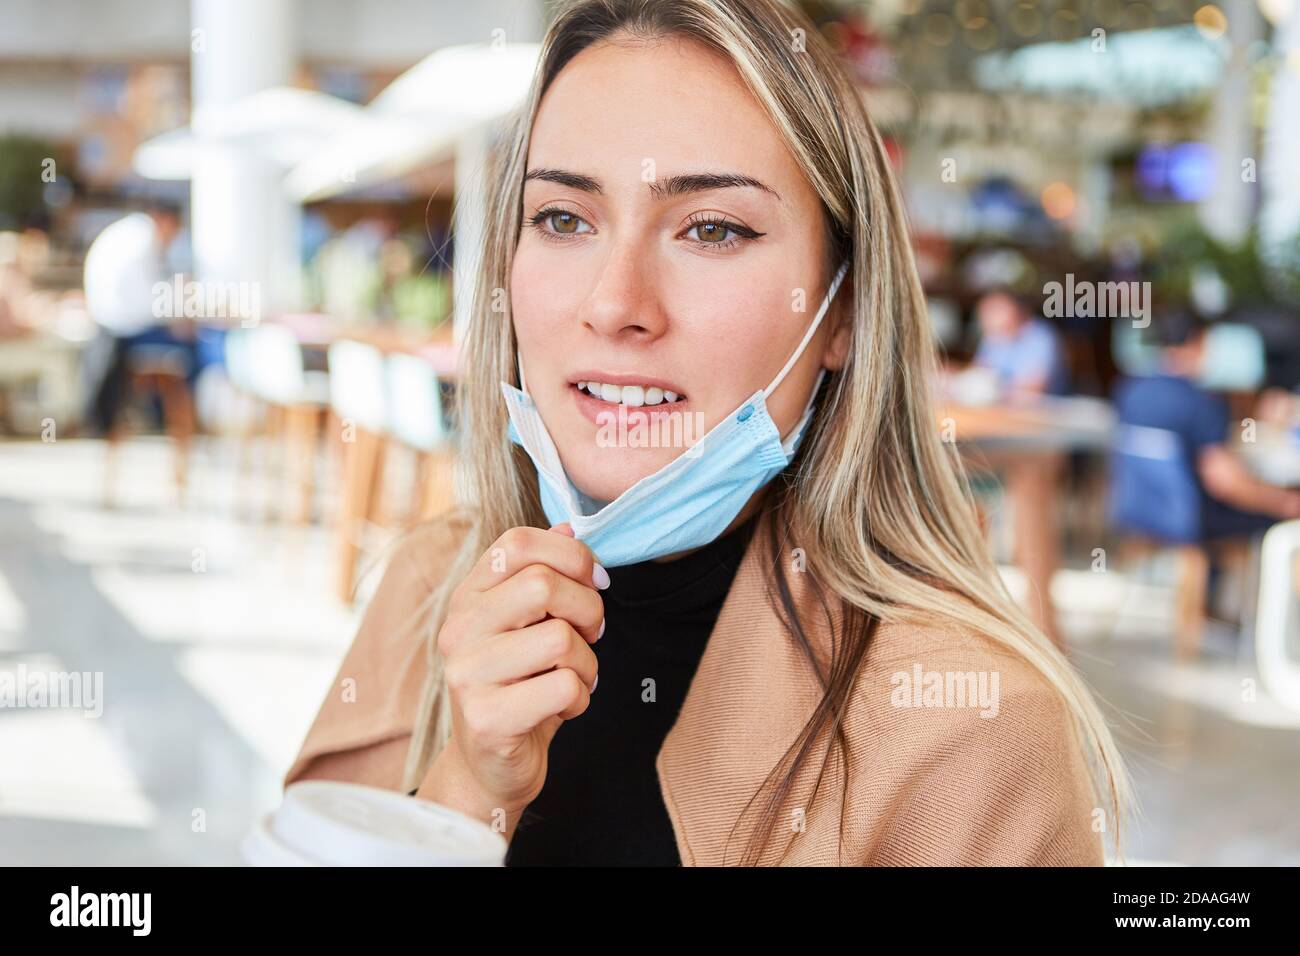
[819,667]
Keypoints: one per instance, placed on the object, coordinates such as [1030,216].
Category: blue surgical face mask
[688,502]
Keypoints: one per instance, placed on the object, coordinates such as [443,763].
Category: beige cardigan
[926,784]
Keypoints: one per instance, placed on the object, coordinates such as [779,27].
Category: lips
[628,390]
[632,396]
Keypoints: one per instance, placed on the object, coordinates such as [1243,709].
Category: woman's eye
[564,222]
[710,232]
[719,233]
[559,222]
[555,223]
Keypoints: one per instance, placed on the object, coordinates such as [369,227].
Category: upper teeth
[628,394]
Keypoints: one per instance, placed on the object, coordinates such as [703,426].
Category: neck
[1179,365]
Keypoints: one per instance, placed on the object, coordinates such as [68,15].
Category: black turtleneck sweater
[601,804]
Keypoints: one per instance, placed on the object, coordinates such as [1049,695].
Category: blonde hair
[879,501]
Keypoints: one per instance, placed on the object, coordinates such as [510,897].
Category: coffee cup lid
[332,823]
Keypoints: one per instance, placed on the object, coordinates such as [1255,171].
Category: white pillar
[244,227]
[468,219]
[1095,190]
[1227,212]
[1279,173]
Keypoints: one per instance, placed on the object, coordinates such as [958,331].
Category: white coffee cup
[331,823]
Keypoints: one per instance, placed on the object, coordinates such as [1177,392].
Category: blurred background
[229,315]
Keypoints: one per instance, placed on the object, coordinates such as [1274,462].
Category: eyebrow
[664,189]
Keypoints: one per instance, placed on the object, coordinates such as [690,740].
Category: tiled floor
[217,639]
[213,635]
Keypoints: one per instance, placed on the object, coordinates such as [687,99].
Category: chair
[166,372]
[160,366]
[358,402]
[238,363]
[415,419]
[269,364]
[1279,585]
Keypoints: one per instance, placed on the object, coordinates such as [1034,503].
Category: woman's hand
[516,647]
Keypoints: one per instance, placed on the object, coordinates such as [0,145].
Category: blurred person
[1279,407]
[345,272]
[1019,358]
[396,271]
[24,306]
[1235,503]
[1025,351]
[1026,354]
[122,266]
[477,662]
[15,289]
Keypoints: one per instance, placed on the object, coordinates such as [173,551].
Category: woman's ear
[837,346]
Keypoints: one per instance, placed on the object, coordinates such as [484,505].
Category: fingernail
[594,683]
[601,632]
[599,576]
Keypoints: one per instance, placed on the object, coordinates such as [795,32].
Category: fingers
[532,594]
[519,655]
[559,693]
[520,547]
[527,575]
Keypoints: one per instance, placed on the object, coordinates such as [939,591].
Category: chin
[608,473]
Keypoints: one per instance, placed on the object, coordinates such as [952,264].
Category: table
[1028,443]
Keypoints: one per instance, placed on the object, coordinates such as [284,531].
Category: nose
[624,304]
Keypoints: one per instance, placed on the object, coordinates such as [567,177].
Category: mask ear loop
[789,443]
[812,330]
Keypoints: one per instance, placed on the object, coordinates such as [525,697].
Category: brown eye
[722,233]
[556,223]
[564,222]
[711,231]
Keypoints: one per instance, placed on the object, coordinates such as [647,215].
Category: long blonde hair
[879,502]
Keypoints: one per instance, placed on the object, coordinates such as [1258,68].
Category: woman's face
[671,246]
